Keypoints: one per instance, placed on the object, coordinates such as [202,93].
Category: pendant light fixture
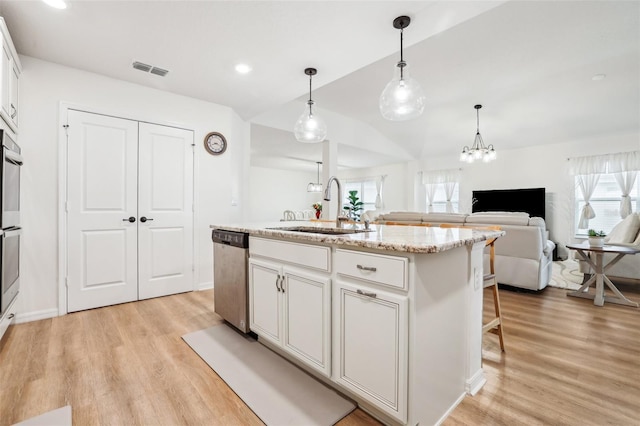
[402,98]
[315,187]
[310,128]
[478,150]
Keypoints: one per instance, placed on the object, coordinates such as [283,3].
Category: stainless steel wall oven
[10,220]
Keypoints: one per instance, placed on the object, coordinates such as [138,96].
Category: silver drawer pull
[366,268]
[364,293]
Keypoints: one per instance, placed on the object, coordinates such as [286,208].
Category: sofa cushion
[499,219]
[401,216]
[625,231]
[444,217]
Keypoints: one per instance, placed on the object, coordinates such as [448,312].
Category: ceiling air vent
[150,68]
[159,71]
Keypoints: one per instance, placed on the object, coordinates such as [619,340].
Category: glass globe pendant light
[478,150]
[310,128]
[315,186]
[402,98]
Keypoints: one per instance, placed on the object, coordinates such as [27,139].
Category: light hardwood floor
[567,363]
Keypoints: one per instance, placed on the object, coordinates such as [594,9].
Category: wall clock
[215,143]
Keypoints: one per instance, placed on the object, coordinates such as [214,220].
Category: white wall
[219,180]
[273,190]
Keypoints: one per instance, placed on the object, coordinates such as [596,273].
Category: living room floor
[567,362]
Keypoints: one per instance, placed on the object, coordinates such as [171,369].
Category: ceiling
[529,63]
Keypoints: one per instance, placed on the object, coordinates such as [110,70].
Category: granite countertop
[411,239]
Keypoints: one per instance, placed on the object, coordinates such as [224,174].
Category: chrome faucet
[327,197]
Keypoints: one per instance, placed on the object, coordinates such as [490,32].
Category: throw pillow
[625,231]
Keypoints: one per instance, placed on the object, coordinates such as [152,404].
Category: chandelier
[478,150]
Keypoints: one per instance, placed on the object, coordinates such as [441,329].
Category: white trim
[207,285]
[475,383]
[36,315]
[450,410]
[63,113]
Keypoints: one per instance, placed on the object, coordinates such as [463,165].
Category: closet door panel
[165,200]
[102,195]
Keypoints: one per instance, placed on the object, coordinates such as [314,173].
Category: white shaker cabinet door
[264,300]
[372,333]
[102,195]
[165,210]
[307,318]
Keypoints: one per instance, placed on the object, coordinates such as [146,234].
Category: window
[605,201]
[439,203]
[366,193]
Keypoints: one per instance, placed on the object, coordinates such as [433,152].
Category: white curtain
[587,185]
[379,187]
[449,187]
[625,180]
[430,190]
[449,178]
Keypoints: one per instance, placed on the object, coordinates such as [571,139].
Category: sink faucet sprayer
[327,196]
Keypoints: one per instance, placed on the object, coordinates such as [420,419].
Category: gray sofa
[523,256]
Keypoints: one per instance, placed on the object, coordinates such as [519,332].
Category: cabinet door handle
[282,284]
[144,219]
[11,316]
[131,219]
[14,111]
[366,268]
[278,283]
[364,293]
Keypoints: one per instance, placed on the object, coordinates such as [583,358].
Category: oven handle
[11,232]
[13,157]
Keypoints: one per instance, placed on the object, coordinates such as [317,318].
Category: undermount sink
[327,231]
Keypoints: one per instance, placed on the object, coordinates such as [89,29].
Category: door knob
[144,219]
[131,219]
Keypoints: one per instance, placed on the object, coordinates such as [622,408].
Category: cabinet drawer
[316,257]
[8,317]
[386,270]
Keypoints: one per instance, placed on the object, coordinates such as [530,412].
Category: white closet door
[102,194]
[165,200]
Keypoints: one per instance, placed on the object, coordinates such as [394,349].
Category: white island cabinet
[391,317]
[290,299]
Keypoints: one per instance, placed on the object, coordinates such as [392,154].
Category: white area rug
[276,390]
[566,275]
[58,417]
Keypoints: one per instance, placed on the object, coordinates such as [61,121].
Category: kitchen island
[391,316]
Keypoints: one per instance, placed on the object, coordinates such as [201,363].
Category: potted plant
[355,206]
[596,238]
[318,208]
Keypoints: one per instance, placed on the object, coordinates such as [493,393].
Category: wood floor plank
[567,362]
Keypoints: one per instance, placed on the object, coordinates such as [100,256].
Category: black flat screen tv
[529,200]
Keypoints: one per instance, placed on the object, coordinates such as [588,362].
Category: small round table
[599,276]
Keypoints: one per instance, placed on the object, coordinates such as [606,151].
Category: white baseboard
[36,315]
[475,383]
[450,410]
[205,285]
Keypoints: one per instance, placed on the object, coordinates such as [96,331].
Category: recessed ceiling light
[598,77]
[58,4]
[243,69]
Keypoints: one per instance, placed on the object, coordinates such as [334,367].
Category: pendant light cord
[401,57]
[310,101]
[478,121]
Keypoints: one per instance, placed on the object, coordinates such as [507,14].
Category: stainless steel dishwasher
[231,287]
